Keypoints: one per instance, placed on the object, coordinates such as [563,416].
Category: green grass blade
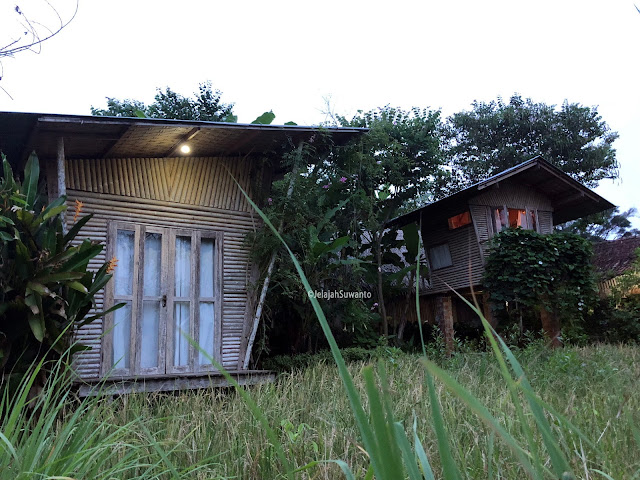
[427,472]
[483,414]
[384,445]
[449,466]
[354,399]
[408,455]
[8,446]
[559,463]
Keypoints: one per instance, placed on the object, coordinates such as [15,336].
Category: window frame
[166,333]
[530,214]
[431,249]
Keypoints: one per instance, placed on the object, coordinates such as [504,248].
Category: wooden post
[444,319]
[487,310]
[551,326]
[61,178]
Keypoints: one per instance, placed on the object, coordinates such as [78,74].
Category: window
[503,217]
[170,282]
[440,256]
[460,220]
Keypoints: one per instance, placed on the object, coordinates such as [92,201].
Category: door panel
[169,281]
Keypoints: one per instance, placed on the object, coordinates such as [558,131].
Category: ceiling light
[185,148]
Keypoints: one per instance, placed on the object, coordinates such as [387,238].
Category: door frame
[165,334]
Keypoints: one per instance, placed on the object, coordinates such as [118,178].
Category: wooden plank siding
[466,267]
[510,195]
[188,193]
[468,245]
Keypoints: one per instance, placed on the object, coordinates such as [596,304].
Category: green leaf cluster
[46,290]
[205,105]
[537,271]
[497,135]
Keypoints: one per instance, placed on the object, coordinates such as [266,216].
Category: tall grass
[480,418]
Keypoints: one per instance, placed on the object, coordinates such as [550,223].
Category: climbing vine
[538,271]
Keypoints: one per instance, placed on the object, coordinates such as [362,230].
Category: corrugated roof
[614,257]
[570,199]
[112,137]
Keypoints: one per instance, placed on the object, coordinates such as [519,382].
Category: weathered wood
[61,186]
[444,319]
[182,382]
[487,310]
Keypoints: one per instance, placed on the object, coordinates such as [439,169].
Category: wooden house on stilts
[165,204]
[456,230]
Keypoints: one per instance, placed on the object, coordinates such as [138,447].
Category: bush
[46,291]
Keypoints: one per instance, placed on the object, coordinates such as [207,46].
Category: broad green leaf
[60,277]
[6,220]
[36,322]
[30,184]
[90,319]
[410,233]
[5,236]
[291,123]
[39,288]
[81,259]
[139,113]
[329,215]
[265,119]
[53,212]
[78,287]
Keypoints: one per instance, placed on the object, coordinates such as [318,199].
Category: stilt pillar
[487,310]
[550,326]
[444,319]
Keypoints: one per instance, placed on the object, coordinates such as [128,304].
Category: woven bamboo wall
[176,192]
[466,268]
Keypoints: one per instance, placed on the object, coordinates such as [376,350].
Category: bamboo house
[166,206]
[456,230]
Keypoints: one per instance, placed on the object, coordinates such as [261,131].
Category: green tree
[205,105]
[605,225]
[494,136]
[395,163]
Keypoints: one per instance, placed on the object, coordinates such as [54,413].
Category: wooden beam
[167,384]
[61,178]
[116,141]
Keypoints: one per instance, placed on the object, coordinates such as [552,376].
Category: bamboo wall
[173,192]
[468,245]
[512,196]
[466,268]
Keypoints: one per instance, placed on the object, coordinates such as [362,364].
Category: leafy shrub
[46,291]
[535,271]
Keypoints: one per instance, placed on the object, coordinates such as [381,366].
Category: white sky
[286,56]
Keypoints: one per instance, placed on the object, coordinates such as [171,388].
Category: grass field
[212,434]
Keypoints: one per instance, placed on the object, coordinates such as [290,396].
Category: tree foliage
[345,195]
[46,290]
[205,105]
[494,136]
[605,225]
